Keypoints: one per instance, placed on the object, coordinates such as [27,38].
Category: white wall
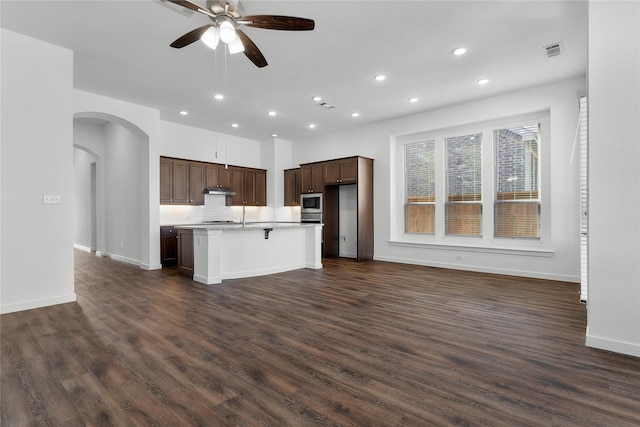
[124,179]
[191,143]
[375,141]
[37,159]
[82,215]
[276,157]
[614,176]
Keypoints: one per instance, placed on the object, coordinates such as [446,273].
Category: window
[419,160]
[464,185]
[479,185]
[584,199]
[517,202]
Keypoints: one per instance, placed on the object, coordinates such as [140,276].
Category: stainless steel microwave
[311,202]
[311,207]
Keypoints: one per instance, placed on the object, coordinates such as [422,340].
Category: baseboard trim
[261,272]
[81,247]
[520,273]
[612,345]
[122,259]
[39,303]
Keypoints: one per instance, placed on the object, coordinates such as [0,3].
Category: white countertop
[247,226]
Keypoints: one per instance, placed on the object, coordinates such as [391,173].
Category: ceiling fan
[226,17]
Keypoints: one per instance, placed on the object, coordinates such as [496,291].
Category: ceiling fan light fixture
[211,38]
[227,32]
[236,46]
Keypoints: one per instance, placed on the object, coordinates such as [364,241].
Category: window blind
[584,193]
[517,203]
[420,187]
[464,185]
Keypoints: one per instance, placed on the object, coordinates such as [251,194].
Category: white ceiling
[121,50]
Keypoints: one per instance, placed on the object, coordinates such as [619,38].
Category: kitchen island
[236,250]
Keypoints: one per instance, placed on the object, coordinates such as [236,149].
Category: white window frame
[486,243]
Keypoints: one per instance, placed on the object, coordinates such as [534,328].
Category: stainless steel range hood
[219,191]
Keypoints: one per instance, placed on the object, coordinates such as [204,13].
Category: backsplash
[215,209]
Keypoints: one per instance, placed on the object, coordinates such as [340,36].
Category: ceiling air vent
[175,7]
[553,49]
[327,105]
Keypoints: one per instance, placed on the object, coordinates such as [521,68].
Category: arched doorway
[111,184]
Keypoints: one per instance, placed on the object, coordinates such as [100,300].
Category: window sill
[485,246]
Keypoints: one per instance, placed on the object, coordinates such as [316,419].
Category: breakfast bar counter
[236,250]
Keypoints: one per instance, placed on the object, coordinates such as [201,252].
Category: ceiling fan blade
[193,6]
[251,50]
[278,22]
[190,37]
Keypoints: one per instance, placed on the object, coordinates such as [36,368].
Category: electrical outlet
[343,238]
[121,244]
[51,199]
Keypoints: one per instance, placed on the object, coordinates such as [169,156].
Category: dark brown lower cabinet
[185,252]
[168,246]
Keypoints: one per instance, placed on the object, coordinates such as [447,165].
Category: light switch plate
[51,199]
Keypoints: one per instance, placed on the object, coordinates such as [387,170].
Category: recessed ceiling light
[317,98]
[272,113]
[219,96]
[355,114]
[274,135]
[413,99]
[234,125]
[379,77]
[312,125]
[184,113]
[483,81]
[459,51]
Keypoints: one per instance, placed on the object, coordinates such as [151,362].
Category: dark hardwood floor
[353,344]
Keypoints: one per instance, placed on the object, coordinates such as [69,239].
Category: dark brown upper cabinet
[292,187]
[218,176]
[196,183]
[250,186]
[166,181]
[311,178]
[342,171]
[182,182]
